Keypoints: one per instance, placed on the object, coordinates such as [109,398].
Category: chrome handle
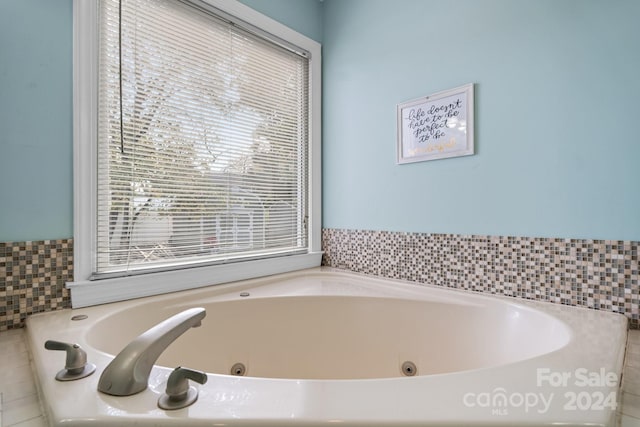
[178,393]
[178,382]
[76,365]
[76,356]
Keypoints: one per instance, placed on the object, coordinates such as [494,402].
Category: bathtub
[322,346]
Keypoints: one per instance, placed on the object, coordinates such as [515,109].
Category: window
[196,142]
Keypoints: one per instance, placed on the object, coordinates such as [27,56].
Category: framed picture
[437,126]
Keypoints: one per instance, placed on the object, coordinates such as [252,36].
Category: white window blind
[202,140]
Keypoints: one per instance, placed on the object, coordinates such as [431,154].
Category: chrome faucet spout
[128,373]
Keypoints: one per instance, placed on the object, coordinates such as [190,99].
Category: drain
[79,317]
[409,369]
[238,369]
[244,294]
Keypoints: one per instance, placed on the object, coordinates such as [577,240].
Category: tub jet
[409,369]
[238,369]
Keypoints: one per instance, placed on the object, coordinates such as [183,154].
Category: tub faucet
[129,372]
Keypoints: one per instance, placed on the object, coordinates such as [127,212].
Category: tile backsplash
[32,278]
[598,274]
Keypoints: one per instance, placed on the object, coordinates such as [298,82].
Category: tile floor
[20,407]
[19,404]
[630,408]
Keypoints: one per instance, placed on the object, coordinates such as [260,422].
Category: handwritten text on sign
[436,126]
[432,123]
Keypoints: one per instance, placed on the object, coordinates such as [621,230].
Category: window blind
[202,140]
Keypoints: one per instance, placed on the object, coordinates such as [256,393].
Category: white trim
[88,293]
[85,57]
[85,125]
[315,151]
[266,24]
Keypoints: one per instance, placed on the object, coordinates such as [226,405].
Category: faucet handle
[76,365]
[178,393]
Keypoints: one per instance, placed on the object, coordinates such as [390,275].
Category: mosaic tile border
[598,274]
[32,278]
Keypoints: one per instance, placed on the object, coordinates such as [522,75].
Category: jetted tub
[322,346]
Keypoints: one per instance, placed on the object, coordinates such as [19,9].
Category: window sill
[87,293]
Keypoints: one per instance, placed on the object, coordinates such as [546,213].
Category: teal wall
[557,106]
[36,153]
[304,16]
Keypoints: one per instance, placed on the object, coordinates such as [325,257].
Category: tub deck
[531,391]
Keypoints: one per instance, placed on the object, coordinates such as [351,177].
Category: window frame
[85,292]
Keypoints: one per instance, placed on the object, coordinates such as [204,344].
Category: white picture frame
[437,126]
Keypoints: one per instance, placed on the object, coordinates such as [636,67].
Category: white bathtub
[322,347]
